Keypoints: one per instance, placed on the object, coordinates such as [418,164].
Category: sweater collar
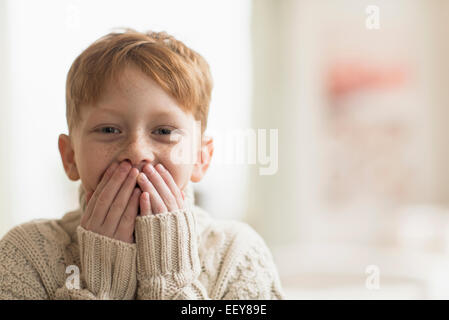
[188,192]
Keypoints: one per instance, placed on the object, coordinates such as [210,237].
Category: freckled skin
[138,102]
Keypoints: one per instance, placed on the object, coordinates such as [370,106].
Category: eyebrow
[159,113]
[109,110]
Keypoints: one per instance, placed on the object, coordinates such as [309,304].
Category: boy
[134,102]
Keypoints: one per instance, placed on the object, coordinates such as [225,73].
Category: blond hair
[180,71]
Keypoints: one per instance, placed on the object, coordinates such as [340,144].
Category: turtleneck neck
[188,192]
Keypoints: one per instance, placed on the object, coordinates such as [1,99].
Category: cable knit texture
[183,254]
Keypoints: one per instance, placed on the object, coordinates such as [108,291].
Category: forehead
[133,85]
[133,91]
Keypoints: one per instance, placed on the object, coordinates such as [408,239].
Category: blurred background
[357,202]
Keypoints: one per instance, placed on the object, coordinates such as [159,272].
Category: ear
[68,157]
[204,158]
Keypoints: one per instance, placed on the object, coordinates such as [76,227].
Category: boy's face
[135,120]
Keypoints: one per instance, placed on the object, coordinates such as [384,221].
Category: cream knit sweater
[184,254]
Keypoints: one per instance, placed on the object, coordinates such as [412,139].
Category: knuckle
[101,201]
[126,219]
[117,206]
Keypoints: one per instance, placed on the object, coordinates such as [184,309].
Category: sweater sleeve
[108,269]
[168,264]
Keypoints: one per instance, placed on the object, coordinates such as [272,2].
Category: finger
[145,205]
[161,187]
[170,182]
[83,218]
[125,228]
[88,196]
[107,195]
[120,203]
[157,204]
[92,199]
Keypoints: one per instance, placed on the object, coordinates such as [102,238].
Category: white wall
[44,37]
[5,128]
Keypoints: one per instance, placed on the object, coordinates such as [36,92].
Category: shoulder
[22,261]
[19,279]
[37,250]
[39,231]
[43,242]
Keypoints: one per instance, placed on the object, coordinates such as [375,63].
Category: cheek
[180,173]
[93,162]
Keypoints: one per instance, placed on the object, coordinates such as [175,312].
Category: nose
[137,152]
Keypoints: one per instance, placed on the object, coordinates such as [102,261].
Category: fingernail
[160,167]
[141,177]
[151,168]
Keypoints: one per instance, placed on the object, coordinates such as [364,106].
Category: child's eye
[108,130]
[164,131]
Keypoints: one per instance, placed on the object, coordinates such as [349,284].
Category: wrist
[167,244]
[108,265]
